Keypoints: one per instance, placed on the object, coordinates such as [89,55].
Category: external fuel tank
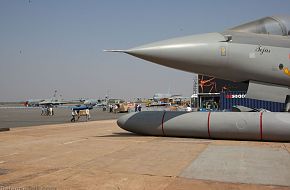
[258,126]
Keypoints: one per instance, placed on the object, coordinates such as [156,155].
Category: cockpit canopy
[275,25]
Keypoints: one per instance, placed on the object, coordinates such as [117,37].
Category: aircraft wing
[267,92]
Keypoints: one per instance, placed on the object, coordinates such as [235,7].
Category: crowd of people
[47,111]
[116,108]
[138,107]
[112,108]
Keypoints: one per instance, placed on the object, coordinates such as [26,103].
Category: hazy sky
[48,45]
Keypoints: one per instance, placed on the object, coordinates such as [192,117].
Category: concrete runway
[100,155]
[11,117]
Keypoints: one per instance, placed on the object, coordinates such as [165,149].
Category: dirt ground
[100,155]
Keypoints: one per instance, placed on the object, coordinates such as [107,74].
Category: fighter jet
[33,102]
[94,102]
[48,102]
[44,102]
[161,96]
[257,53]
[51,102]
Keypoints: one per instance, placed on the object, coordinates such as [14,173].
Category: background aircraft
[160,96]
[94,102]
[49,102]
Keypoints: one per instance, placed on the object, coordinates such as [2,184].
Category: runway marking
[9,154]
[40,159]
[36,160]
[285,148]
[70,142]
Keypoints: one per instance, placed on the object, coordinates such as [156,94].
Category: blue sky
[58,45]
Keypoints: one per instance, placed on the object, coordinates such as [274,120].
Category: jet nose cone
[190,53]
[146,122]
[121,122]
[197,53]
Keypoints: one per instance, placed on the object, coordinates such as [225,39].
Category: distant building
[219,94]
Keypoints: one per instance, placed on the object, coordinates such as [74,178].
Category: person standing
[188,108]
[73,114]
[42,111]
[116,108]
[88,116]
[50,111]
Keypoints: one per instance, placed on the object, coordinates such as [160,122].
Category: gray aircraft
[160,96]
[257,53]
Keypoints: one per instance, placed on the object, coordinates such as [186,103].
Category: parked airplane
[160,96]
[44,102]
[257,53]
[91,102]
[49,102]
[94,102]
[32,102]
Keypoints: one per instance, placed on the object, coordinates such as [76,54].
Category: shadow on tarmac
[121,134]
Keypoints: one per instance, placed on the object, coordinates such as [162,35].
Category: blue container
[81,107]
[238,98]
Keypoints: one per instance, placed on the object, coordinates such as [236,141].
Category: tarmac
[100,155]
[11,117]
